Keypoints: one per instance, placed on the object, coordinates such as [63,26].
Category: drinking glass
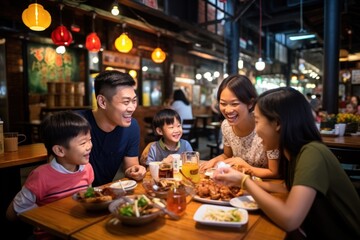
[190,165]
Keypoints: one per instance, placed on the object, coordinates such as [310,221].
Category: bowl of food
[97,198]
[134,210]
[158,189]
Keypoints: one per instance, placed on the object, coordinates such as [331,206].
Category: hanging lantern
[158,55]
[36,17]
[123,43]
[93,43]
[61,36]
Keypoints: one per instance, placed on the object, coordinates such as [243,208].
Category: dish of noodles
[221,216]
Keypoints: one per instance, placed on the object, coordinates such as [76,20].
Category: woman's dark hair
[165,116]
[179,95]
[106,82]
[293,112]
[59,128]
[242,87]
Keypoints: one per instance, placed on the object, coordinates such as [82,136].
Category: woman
[182,105]
[322,202]
[242,146]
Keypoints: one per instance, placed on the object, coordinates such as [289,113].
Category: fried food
[92,195]
[207,188]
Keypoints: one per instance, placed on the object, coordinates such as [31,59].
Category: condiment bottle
[1,137]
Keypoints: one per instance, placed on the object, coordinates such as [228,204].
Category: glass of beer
[190,165]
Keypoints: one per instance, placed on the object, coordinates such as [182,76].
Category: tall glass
[190,165]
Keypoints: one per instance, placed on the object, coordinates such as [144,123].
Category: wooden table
[10,165]
[66,219]
[345,141]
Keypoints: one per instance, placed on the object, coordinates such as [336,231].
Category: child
[167,124]
[67,139]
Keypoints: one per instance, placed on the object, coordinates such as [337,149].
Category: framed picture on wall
[45,65]
[355,76]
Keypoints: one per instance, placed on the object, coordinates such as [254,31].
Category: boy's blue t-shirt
[110,148]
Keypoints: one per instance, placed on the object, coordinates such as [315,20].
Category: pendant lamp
[61,35]
[158,55]
[36,17]
[93,43]
[123,43]
[260,64]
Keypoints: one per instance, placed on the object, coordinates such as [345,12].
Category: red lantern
[61,36]
[93,43]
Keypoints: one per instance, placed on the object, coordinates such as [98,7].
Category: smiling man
[114,133]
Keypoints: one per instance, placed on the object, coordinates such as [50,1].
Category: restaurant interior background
[203,41]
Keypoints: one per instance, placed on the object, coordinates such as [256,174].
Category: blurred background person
[182,106]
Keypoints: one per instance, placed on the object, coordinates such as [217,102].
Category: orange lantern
[36,17]
[158,55]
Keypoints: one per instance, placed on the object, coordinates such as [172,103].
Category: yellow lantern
[158,55]
[123,43]
[133,73]
[36,17]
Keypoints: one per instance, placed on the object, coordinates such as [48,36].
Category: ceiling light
[158,55]
[123,43]
[302,34]
[115,9]
[93,43]
[36,17]
[260,64]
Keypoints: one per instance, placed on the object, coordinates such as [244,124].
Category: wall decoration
[45,65]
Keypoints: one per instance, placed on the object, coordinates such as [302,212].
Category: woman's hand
[228,176]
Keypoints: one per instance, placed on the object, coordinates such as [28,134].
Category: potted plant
[352,121]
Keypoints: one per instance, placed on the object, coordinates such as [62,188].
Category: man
[114,133]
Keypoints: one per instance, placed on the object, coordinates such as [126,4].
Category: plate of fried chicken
[207,191]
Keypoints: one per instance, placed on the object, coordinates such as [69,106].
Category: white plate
[127,184]
[210,201]
[203,209]
[246,202]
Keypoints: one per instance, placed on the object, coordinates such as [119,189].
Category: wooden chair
[189,132]
[215,147]
[150,135]
[144,154]
[349,159]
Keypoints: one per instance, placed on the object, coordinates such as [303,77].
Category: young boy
[67,139]
[167,124]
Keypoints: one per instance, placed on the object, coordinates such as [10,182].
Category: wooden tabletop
[67,219]
[25,154]
[345,141]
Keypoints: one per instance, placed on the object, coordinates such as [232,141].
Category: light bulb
[60,49]
[260,65]
[115,10]
[240,64]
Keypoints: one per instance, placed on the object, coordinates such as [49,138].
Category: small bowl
[153,190]
[98,205]
[133,221]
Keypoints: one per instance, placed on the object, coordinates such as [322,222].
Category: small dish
[127,185]
[246,202]
[207,209]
